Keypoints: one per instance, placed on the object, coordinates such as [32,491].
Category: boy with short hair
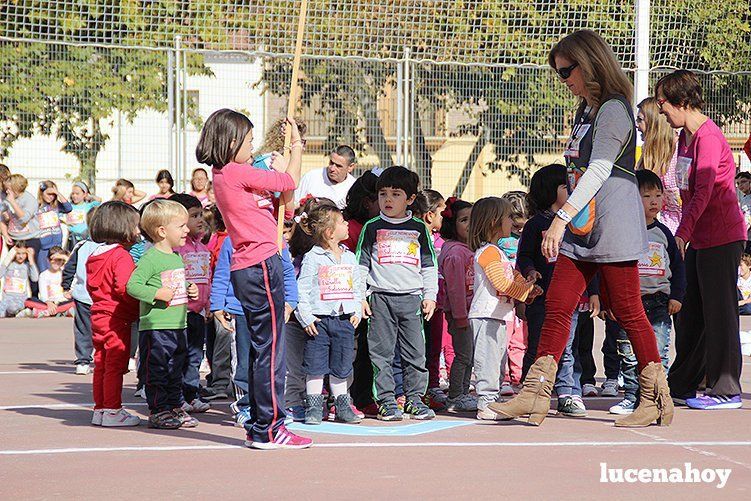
[397,259]
[662,278]
[159,283]
[197,259]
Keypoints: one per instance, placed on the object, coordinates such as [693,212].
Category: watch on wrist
[564,215]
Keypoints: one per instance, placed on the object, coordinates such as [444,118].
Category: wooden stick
[291,105]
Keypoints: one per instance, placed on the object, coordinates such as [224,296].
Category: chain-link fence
[457,90]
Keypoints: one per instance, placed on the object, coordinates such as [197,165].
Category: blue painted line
[361,430]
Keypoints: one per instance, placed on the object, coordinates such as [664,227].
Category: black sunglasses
[564,73]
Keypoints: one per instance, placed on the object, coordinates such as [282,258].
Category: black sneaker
[389,411]
[164,420]
[681,399]
[314,409]
[416,409]
[567,406]
[208,393]
[344,412]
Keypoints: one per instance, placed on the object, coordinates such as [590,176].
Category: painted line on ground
[14,373]
[85,405]
[168,448]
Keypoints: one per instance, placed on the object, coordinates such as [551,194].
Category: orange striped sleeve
[492,264]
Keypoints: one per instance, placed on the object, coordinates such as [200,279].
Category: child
[362,206]
[16,271]
[165,183]
[547,194]
[396,254]
[456,266]
[662,279]
[114,225]
[199,185]
[329,309]
[438,341]
[53,300]
[74,282]
[496,285]
[159,283]
[197,260]
[82,201]
[744,285]
[244,195]
[51,205]
[126,191]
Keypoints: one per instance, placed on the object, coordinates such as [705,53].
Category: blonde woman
[660,155]
[599,230]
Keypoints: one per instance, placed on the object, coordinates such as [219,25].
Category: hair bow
[448,212]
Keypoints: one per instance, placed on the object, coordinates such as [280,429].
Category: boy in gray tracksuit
[396,256]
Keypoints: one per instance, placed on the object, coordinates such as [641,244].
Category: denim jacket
[328,287]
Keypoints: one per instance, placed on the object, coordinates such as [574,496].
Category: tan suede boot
[534,399]
[655,403]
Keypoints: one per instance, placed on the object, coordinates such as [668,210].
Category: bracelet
[562,214]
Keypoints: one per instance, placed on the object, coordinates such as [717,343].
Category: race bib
[336,282]
[75,217]
[14,285]
[175,280]
[682,172]
[197,267]
[398,247]
[572,147]
[55,293]
[48,220]
[653,264]
[263,199]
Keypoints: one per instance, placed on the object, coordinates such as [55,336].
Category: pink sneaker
[284,439]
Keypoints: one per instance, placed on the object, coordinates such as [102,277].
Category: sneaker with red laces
[284,439]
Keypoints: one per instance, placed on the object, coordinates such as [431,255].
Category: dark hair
[114,222]
[743,175]
[399,178]
[450,213]
[543,187]
[346,152]
[364,188]
[433,199]
[681,88]
[218,219]
[300,242]
[187,201]
[223,128]
[318,221]
[648,180]
[164,175]
[56,249]
[419,207]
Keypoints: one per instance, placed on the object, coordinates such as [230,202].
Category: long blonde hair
[274,139]
[603,75]
[659,139]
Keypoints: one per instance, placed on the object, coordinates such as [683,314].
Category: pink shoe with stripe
[284,439]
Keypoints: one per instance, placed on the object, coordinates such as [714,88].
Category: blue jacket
[222,293]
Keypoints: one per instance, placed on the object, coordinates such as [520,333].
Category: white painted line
[9,373]
[87,405]
[81,450]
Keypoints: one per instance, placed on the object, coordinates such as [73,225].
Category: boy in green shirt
[159,284]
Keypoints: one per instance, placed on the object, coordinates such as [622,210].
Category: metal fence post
[178,112]
[171,110]
[641,78]
[399,112]
[406,107]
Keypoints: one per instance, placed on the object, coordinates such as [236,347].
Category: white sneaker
[589,390]
[507,390]
[119,417]
[141,392]
[197,405]
[96,418]
[488,415]
[82,369]
[627,406]
[462,403]
[132,365]
[25,313]
[438,395]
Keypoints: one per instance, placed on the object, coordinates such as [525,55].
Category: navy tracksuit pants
[260,290]
[163,356]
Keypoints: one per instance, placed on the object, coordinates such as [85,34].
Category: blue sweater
[222,293]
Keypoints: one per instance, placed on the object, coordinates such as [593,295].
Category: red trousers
[619,291]
[440,342]
[111,338]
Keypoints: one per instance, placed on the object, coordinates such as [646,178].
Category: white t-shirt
[745,202]
[744,285]
[318,184]
[50,286]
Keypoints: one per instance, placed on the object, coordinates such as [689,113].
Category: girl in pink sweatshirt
[456,265]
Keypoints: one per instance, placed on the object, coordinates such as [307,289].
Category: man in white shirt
[331,182]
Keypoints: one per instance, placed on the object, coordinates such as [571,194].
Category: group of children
[368,300]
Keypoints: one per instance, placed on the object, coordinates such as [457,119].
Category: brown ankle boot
[655,402]
[534,399]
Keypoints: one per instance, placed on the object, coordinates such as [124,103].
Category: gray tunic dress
[611,227]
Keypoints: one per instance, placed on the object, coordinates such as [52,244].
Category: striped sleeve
[495,269]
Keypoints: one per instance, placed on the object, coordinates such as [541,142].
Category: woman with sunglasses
[707,341]
[600,230]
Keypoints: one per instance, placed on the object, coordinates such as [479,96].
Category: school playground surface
[48,448]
